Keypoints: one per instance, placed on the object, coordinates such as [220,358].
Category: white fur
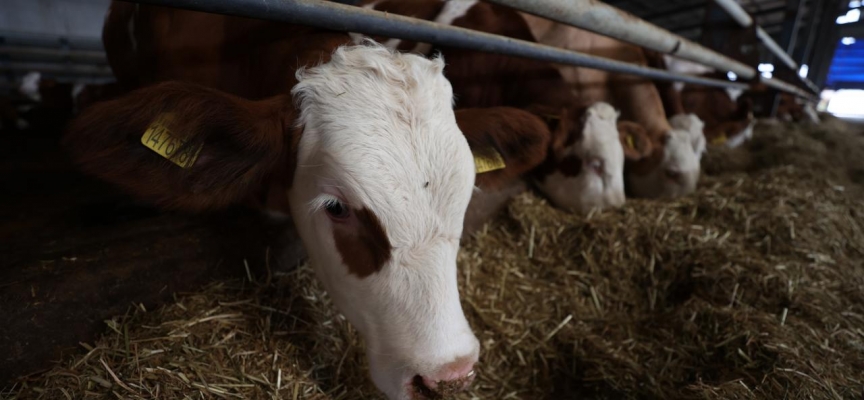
[742,137]
[682,154]
[378,125]
[452,10]
[589,190]
[30,86]
[359,38]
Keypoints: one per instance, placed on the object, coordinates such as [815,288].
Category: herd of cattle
[360,144]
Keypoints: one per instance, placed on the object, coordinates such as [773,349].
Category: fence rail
[335,16]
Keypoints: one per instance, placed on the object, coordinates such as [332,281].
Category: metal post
[740,15]
[610,21]
[339,17]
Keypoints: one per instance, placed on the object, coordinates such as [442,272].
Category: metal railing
[737,13]
[335,16]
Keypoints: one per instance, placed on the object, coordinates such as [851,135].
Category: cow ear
[635,141]
[560,124]
[185,146]
[519,137]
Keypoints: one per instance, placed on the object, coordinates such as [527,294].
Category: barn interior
[751,287]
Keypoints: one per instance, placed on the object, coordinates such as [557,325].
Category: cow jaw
[590,172]
[383,181]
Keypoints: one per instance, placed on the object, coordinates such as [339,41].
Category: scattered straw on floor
[751,288]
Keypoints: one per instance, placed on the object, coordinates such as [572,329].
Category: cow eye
[336,210]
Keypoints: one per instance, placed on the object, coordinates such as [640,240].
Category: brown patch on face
[570,166]
[363,245]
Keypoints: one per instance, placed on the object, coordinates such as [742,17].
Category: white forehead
[383,124]
[601,129]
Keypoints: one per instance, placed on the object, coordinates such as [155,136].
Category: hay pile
[752,288]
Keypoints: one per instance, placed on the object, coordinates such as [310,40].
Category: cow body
[672,169]
[728,116]
[582,166]
[360,145]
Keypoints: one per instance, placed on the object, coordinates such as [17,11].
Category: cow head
[383,181]
[376,173]
[673,168]
[586,161]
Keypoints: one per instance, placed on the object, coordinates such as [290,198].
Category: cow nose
[449,379]
[596,165]
[674,175]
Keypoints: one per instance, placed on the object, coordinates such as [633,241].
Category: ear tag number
[719,140]
[158,138]
[490,160]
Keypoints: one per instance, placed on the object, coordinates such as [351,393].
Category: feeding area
[363,199]
[752,287]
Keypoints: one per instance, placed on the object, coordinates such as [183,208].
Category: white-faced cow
[358,144]
[582,166]
[673,167]
[728,116]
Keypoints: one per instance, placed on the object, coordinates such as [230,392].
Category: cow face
[383,180]
[588,163]
[677,171]
[375,171]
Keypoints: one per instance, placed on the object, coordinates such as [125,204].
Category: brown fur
[364,247]
[243,142]
[520,137]
[642,146]
[721,115]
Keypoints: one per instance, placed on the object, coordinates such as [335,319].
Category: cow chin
[408,313]
[583,193]
[657,185]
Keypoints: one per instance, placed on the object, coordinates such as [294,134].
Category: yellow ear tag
[719,140]
[491,160]
[158,138]
[630,142]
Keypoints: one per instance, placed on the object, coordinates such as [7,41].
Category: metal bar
[775,48]
[610,21]
[26,51]
[736,12]
[58,68]
[339,17]
[786,87]
[56,41]
[740,15]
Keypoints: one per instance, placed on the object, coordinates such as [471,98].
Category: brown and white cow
[673,167]
[726,112]
[360,145]
[583,166]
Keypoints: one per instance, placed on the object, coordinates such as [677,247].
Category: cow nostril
[421,386]
[596,165]
[431,389]
[673,175]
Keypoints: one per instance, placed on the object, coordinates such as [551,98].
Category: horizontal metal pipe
[27,51]
[786,87]
[736,12]
[743,18]
[339,17]
[609,21]
[58,68]
[56,41]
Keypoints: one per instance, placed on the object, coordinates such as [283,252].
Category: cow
[582,169]
[360,145]
[727,115]
[672,169]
